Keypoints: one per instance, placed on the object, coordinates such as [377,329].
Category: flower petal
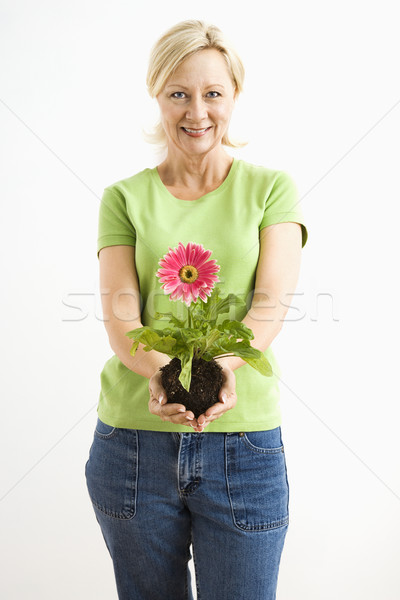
[199,258]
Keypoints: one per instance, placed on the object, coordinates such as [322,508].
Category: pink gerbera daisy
[186,273]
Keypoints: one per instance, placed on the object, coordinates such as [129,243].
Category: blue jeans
[155,494]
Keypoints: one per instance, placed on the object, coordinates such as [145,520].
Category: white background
[322,101]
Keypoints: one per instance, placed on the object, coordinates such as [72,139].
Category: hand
[175,413]
[227,400]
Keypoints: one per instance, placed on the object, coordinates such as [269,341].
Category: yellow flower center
[188,274]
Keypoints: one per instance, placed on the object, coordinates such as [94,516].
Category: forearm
[265,323]
[143,363]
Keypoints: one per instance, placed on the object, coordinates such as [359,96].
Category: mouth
[195,132]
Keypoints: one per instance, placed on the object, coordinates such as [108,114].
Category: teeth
[195,130]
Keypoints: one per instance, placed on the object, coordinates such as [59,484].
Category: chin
[199,146]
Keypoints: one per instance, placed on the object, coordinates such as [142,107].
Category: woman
[160,480]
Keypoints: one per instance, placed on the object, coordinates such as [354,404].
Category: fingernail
[223,398]
[160,398]
[181,409]
[189,418]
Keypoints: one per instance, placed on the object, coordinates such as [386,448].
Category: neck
[195,171]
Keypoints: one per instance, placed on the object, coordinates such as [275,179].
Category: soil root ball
[204,387]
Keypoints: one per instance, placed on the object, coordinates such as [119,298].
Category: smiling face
[197,102]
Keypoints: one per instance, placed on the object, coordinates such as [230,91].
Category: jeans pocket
[257,480]
[103,430]
[112,470]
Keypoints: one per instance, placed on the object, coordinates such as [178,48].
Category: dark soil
[204,386]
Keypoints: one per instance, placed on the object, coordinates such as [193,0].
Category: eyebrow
[183,87]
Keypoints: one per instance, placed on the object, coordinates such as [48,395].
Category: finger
[216,411]
[227,395]
[159,395]
[201,420]
[156,405]
[199,423]
[204,419]
[173,408]
[155,386]
[202,424]
[178,418]
[198,428]
[173,412]
[213,417]
[219,408]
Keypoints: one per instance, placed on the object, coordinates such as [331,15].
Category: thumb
[161,398]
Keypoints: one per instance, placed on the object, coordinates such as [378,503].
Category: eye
[213,94]
[178,95]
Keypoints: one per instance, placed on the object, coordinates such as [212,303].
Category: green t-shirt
[139,211]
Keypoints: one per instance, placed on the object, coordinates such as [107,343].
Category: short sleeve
[282,204]
[115,226]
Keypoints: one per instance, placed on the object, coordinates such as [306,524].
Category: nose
[196,110]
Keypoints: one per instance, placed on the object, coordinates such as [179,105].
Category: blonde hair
[177,44]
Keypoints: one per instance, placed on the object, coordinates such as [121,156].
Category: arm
[120,296]
[276,279]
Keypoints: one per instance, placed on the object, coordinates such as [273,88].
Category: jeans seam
[196,575]
[187,566]
[105,436]
[267,527]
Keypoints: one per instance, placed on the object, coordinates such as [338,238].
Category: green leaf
[216,305]
[143,331]
[190,335]
[209,309]
[149,337]
[207,356]
[152,339]
[165,344]
[225,304]
[185,376]
[180,349]
[212,337]
[135,345]
[226,344]
[169,331]
[261,364]
[208,341]
[220,346]
[256,359]
[171,318]
[237,329]
[135,333]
